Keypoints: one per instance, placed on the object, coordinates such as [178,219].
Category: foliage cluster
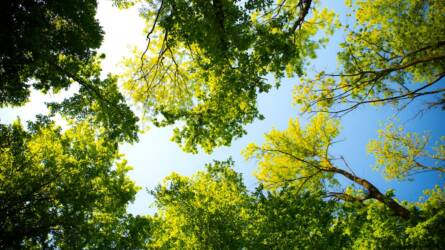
[213,210]
[204,66]
[212,59]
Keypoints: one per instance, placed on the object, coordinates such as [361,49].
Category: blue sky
[155,156]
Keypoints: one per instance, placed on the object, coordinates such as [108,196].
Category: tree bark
[374,192]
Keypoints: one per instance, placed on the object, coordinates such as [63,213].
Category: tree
[379,62]
[302,158]
[38,37]
[206,61]
[206,211]
[213,210]
[60,189]
[49,45]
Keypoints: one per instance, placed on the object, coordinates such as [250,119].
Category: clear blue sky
[155,156]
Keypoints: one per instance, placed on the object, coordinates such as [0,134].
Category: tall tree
[379,61]
[206,211]
[49,45]
[206,61]
[213,210]
[59,189]
[37,38]
[302,157]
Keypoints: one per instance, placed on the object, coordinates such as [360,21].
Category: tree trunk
[374,192]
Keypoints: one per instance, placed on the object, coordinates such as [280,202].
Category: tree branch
[304,5]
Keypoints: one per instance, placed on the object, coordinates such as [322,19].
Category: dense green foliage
[288,219]
[212,59]
[213,210]
[49,45]
[204,65]
[37,38]
[59,188]
[63,189]
[205,211]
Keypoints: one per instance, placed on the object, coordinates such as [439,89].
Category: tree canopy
[303,158]
[204,65]
[213,210]
[58,189]
[394,52]
[49,45]
[212,58]
[205,211]
[38,37]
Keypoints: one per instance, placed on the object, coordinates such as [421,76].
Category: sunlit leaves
[378,62]
[296,155]
[400,155]
[57,186]
[207,210]
[206,62]
[212,209]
